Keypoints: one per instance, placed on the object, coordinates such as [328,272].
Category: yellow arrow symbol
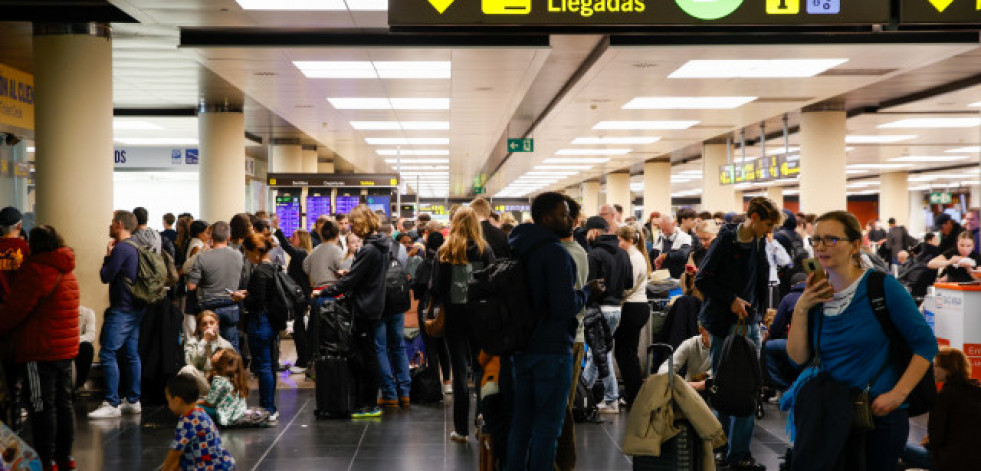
[940,5]
[442,5]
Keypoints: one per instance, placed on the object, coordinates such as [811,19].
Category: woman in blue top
[854,350]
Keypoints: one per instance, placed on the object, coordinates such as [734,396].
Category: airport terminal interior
[308,108]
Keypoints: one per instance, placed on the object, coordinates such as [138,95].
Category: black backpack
[924,395]
[500,309]
[736,386]
[397,297]
[288,301]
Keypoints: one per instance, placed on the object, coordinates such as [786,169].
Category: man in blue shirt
[734,278]
[121,326]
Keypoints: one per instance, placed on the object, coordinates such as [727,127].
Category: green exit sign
[479,190]
[941,198]
[521,145]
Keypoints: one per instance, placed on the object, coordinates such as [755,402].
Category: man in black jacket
[949,230]
[671,248]
[607,261]
[733,278]
[495,237]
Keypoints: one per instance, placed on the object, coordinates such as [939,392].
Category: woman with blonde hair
[635,311]
[463,252]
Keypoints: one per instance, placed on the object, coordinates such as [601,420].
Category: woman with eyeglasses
[835,326]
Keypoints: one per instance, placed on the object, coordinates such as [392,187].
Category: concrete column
[716,196]
[325,167]
[894,197]
[618,191]
[590,198]
[222,173]
[917,215]
[309,159]
[73,137]
[822,161]
[737,201]
[285,156]
[574,192]
[657,188]
[775,193]
[975,196]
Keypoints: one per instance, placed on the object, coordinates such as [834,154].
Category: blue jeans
[738,429]
[392,362]
[261,339]
[611,390]
[121,330]
[541,392]
[228,324]
[782,369]
[917,456]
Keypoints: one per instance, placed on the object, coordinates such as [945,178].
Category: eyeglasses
[829,241]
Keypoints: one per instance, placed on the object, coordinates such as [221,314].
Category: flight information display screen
[383,203]
[317,205]
[346,203]
[288,210]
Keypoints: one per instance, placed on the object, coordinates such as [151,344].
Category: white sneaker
[608,408]
[297,370]
[130,407]
[447,388]
[273,418]
[105,411]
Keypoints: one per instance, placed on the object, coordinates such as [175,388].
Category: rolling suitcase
[683,451]
[333,387]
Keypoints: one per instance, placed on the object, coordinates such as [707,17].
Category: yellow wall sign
[16,98]
[782,7]
[505,7]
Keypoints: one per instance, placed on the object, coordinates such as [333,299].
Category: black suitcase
[333,387]
[684,450]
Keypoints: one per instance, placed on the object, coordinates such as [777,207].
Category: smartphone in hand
[811,265]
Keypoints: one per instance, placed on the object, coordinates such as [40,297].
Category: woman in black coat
[954,427]
[298,246]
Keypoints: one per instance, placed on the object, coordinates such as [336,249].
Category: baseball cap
[597,222]
[9,216]
[940,220]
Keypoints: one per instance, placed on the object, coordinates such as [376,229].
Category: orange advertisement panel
[16,98]
[943,342]
[975,367]
[972,349]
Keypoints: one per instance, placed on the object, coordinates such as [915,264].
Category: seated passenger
[201,347]
[693,359]
[225,400]
[954,427]
[86,337]
[781,370]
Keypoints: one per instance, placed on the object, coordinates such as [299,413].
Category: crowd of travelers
[820,332]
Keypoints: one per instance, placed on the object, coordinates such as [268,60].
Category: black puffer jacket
[365,283]
[609,262]
[598,338]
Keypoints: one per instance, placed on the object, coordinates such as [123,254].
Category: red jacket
[41,318]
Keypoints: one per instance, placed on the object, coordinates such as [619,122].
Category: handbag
[435,323]
[862,417]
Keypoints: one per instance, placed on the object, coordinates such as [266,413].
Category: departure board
[346,203]
[288,210]
[383,203]
[317,205]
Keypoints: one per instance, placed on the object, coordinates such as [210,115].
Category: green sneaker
[367,413]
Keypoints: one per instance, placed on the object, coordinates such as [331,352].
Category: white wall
[158,192]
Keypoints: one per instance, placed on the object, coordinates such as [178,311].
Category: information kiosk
[957,318]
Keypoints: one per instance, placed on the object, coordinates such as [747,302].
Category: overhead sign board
[408,13]
[760,170]
[940,11]
[16,98]
[941,198]
[521,145]
[177,159]
[363,180]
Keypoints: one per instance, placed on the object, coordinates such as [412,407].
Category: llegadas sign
[16,98]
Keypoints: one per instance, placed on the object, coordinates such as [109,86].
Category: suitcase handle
[670,349]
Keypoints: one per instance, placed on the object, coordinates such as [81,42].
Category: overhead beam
[274,37]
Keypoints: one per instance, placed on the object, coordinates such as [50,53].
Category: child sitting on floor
[196,444]
[225,400]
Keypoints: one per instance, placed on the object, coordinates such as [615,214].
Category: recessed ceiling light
[855,171]
[977,103]
[376,69]
[971,182]
[933,123]
[962,150]
[403,168]
[592,151]
[395,141]
[615,140]
[688,103]
[367,5]
[417,161]
[878,139]
[30,149]
[403,125]
[691,172]
[563,167]
[157,141]
[771,68]
[405,152]
[551,173]
[390,103]
[323,5]
[876,166]
[929,158]
[133,125]
[644,125]
[579,160]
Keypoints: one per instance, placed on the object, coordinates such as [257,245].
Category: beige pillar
[222,173]
[285,156]
[975,196]
[775,193]
[716,196]
[822,161]
[325,167]
[737,201]
[917,214]
[894,197]
[574,192]
[73,137]
[657,188]
[618,192]
[590,193]
[309,159]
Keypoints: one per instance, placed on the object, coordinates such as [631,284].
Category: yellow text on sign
[782,7]
[505,7]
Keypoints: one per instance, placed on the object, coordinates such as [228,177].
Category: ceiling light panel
[643,125]
[563,167]
[877,166]
[367,5]
[157,141]
[688,103]
[411,152]
[131,125]
[592,152]
[577,160]
[403,125]
[307,5]
[375,69]
[933,123]
[615,140]
[395,141]
[417,161]
[878,139]
[404,168]
[963,150]
[772,68]
[929,158]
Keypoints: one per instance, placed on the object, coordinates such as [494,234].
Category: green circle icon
[709,9]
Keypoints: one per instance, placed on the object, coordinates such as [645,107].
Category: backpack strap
[877,298]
